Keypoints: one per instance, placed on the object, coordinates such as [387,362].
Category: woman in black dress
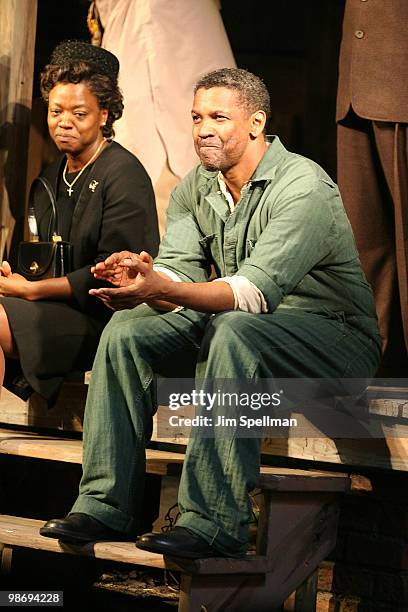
[105,203]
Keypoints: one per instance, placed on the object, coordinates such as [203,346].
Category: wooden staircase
[296,531]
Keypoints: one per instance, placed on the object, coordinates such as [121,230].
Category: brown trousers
[373,180]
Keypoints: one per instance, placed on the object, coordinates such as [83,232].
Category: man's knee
[134,314]
[227,332]
[225,351]
[128,327]
[233,325]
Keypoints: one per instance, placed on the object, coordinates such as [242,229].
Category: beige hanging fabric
[163,48]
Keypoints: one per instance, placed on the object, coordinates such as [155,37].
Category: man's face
[221,128]
[74,117]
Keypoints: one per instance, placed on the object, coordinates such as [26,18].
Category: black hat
[77,50]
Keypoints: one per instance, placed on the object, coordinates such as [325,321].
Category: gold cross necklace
[70,185]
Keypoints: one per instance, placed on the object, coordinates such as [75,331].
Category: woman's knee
[7,343]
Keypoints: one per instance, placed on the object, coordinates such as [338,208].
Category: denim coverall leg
[218,471]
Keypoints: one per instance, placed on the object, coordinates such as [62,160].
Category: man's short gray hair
[251,89]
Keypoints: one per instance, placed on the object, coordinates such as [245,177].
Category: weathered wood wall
[18,20]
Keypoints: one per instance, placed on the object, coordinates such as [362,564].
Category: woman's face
[74,118]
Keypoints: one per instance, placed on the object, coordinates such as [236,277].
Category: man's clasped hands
[134,279]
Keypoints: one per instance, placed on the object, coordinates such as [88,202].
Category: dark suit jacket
[119,214]
[373,69]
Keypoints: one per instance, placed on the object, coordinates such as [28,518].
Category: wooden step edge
[292,480]
[36,446]
[162,463]
[24,533]
[304,485]
[27,444]
[250,564]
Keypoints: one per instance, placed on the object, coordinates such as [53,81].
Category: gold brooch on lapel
[93,185]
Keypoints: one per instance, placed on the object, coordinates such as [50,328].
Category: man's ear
[258,121]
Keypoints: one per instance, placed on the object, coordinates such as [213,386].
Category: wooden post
[6,555]
[306,594]
[18,21]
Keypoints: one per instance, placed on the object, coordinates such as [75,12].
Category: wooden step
[215,584]
[38,446]
[164,463]
[22,532]
[290,480]
[389,453]
[296,531]
[66,415]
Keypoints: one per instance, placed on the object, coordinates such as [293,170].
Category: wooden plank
[361,484]
[23,532]
[62,449]
[251,564]
[66,415]
[218,593]
[383,407]
[284,479]
[389,453]
[38,446]
[296,533]
[163,432]
[18,20]
[306,594]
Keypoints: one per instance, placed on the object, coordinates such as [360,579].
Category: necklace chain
[70,185]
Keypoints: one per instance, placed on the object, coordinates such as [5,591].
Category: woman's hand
[14,285]
[5,269]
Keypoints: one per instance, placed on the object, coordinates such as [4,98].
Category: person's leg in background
[392,145]
[372,177]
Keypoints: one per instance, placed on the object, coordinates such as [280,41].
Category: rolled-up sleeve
[247,296]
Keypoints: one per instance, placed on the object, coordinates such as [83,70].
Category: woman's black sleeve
[129,222]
